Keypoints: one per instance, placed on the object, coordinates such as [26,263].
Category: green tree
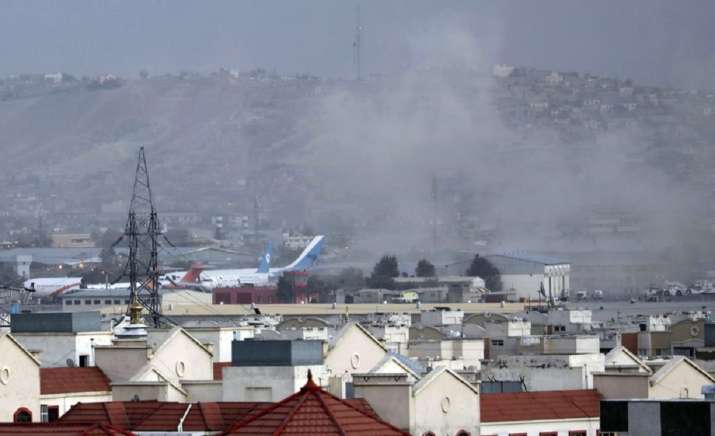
[387,266]
[425,269]
[285,290]
[384,273]
[481,267]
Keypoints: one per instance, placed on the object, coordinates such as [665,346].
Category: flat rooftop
[338,309]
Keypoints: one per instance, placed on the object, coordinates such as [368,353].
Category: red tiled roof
[62,430]
[218,369]
[315,412]
[69,380]
[527,406]
[161,415]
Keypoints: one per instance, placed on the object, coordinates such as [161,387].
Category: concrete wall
[65,401]
[19,381]
[534,428]
[683,381]
[56,348]
[142,391]
[219,337]
[445,406]
[206,391]
[180,358]
[643,418]
[442,317]
[393,402]
[354,352]
[621,385]
[571,344]
[525,285]
[267,383]
[121,363]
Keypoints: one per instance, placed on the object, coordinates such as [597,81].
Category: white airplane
[261,276]
[51,286]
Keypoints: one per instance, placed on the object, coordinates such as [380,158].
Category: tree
[425,269]
[387,266]
[384,273]
[285,290]
[481,267]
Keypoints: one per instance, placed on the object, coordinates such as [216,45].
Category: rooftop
[161,416]
[529,406]
[71,380]
[37,429]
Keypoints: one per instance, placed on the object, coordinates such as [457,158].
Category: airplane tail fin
[309,255]
[193,275]
[265,265]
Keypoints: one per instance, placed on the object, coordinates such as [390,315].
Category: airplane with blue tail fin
[264,275]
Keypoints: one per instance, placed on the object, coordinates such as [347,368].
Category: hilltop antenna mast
[142,234]
[357,43]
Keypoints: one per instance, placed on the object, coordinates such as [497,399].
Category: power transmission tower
[142,235]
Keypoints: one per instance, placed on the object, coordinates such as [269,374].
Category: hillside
[516,147]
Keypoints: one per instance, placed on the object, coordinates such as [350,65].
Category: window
[126,301]
[517,434]
[463,433]
[429,433]
[83,360]
[68,302]
[77,302]
[22,414]
[87,301]
[53,413]
[43,413]
[107,301]
[578,433]
[97,301]
[548,433]
[117,301]
[498,342]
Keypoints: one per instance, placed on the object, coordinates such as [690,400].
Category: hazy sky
[654,41]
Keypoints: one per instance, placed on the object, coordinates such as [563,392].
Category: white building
[527,275]
[271,370]
[61,339]
[440,403]
[441,317]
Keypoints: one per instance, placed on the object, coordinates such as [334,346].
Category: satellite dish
[70,363]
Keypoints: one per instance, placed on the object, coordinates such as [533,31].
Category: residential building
[161,367]
[353,349]
[552,413]
[19,382]
[268,370]
[61,339]
[680,377]
[440,403]
[62,388]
